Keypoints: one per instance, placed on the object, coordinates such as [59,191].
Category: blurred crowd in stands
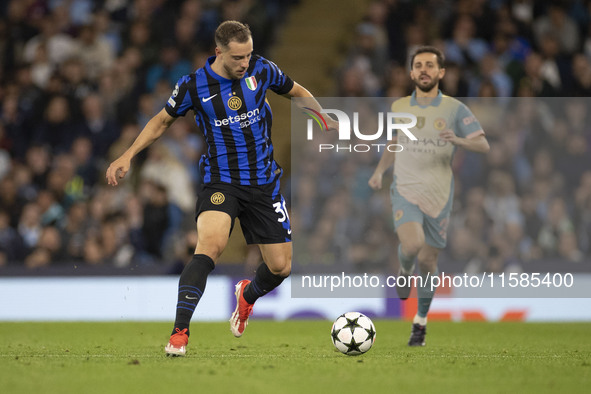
[527,202]
[529,199]
[78,81]
[520,48]
[80,78]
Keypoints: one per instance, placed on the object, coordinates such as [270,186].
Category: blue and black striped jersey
[235,119]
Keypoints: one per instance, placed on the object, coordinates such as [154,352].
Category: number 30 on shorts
[282,210]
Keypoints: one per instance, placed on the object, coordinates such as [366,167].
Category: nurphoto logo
[393,121]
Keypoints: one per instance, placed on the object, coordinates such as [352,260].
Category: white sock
[419,320]
[409,272]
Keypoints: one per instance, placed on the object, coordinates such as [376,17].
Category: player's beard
[429,86]
[234,74]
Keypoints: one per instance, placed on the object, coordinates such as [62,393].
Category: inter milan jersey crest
[234,103]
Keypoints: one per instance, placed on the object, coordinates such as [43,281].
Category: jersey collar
[435,103]
[210,71]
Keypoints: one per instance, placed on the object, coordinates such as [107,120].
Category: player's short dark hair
[231,31]
[429,49]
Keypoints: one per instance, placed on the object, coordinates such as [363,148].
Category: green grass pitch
[294,357]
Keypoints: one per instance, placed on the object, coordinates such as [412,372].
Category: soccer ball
[353,333]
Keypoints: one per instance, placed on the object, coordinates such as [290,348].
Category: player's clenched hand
[448,135]
[375,182]
[118,168]
[332,124]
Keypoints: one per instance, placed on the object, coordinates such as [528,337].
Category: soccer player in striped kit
[240,175]
[422,190]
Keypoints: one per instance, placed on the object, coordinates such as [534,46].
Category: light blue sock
[425,295]
[406,263]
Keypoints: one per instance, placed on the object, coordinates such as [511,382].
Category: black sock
[264,281]
[191,288]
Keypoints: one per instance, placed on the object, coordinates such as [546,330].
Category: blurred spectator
[184,249]
[555,65]
[41,67]
[23,178]
[556,21]
[187,32]
[57,128]
[568,249]
[11,245]
[60,46]
[147,107]
[554,228]
[464,48]
[534,77]
[509,43]
[501,202]
[156,218]
[358,80]
[75,83]
[162,168]
[29,94]
[47,251]
[73,231]
[87,169]
[581,75]
[63,182]
[109,243]
[186,146]
[11,203]
[464,247]
[15,135]
[101,130]
[397,80]
[5,160]
[493,77]
[454,83]
[139,36]
[170,68]
[94,51]
[49,208]
[29,226]
[119,87]
[38,160]
[583,212]
[107,30]
[371,45]
[78,11]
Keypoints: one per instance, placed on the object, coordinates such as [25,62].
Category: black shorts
[261,210]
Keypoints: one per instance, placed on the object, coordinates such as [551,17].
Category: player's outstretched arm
[478,143]
[310,102]
[151,132]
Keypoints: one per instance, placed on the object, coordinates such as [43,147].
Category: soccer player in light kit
[422,189]
[240,175]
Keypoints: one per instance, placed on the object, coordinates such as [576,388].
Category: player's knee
[412,248]
[286,271]
[213,250]
[427,263]
[281,267]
